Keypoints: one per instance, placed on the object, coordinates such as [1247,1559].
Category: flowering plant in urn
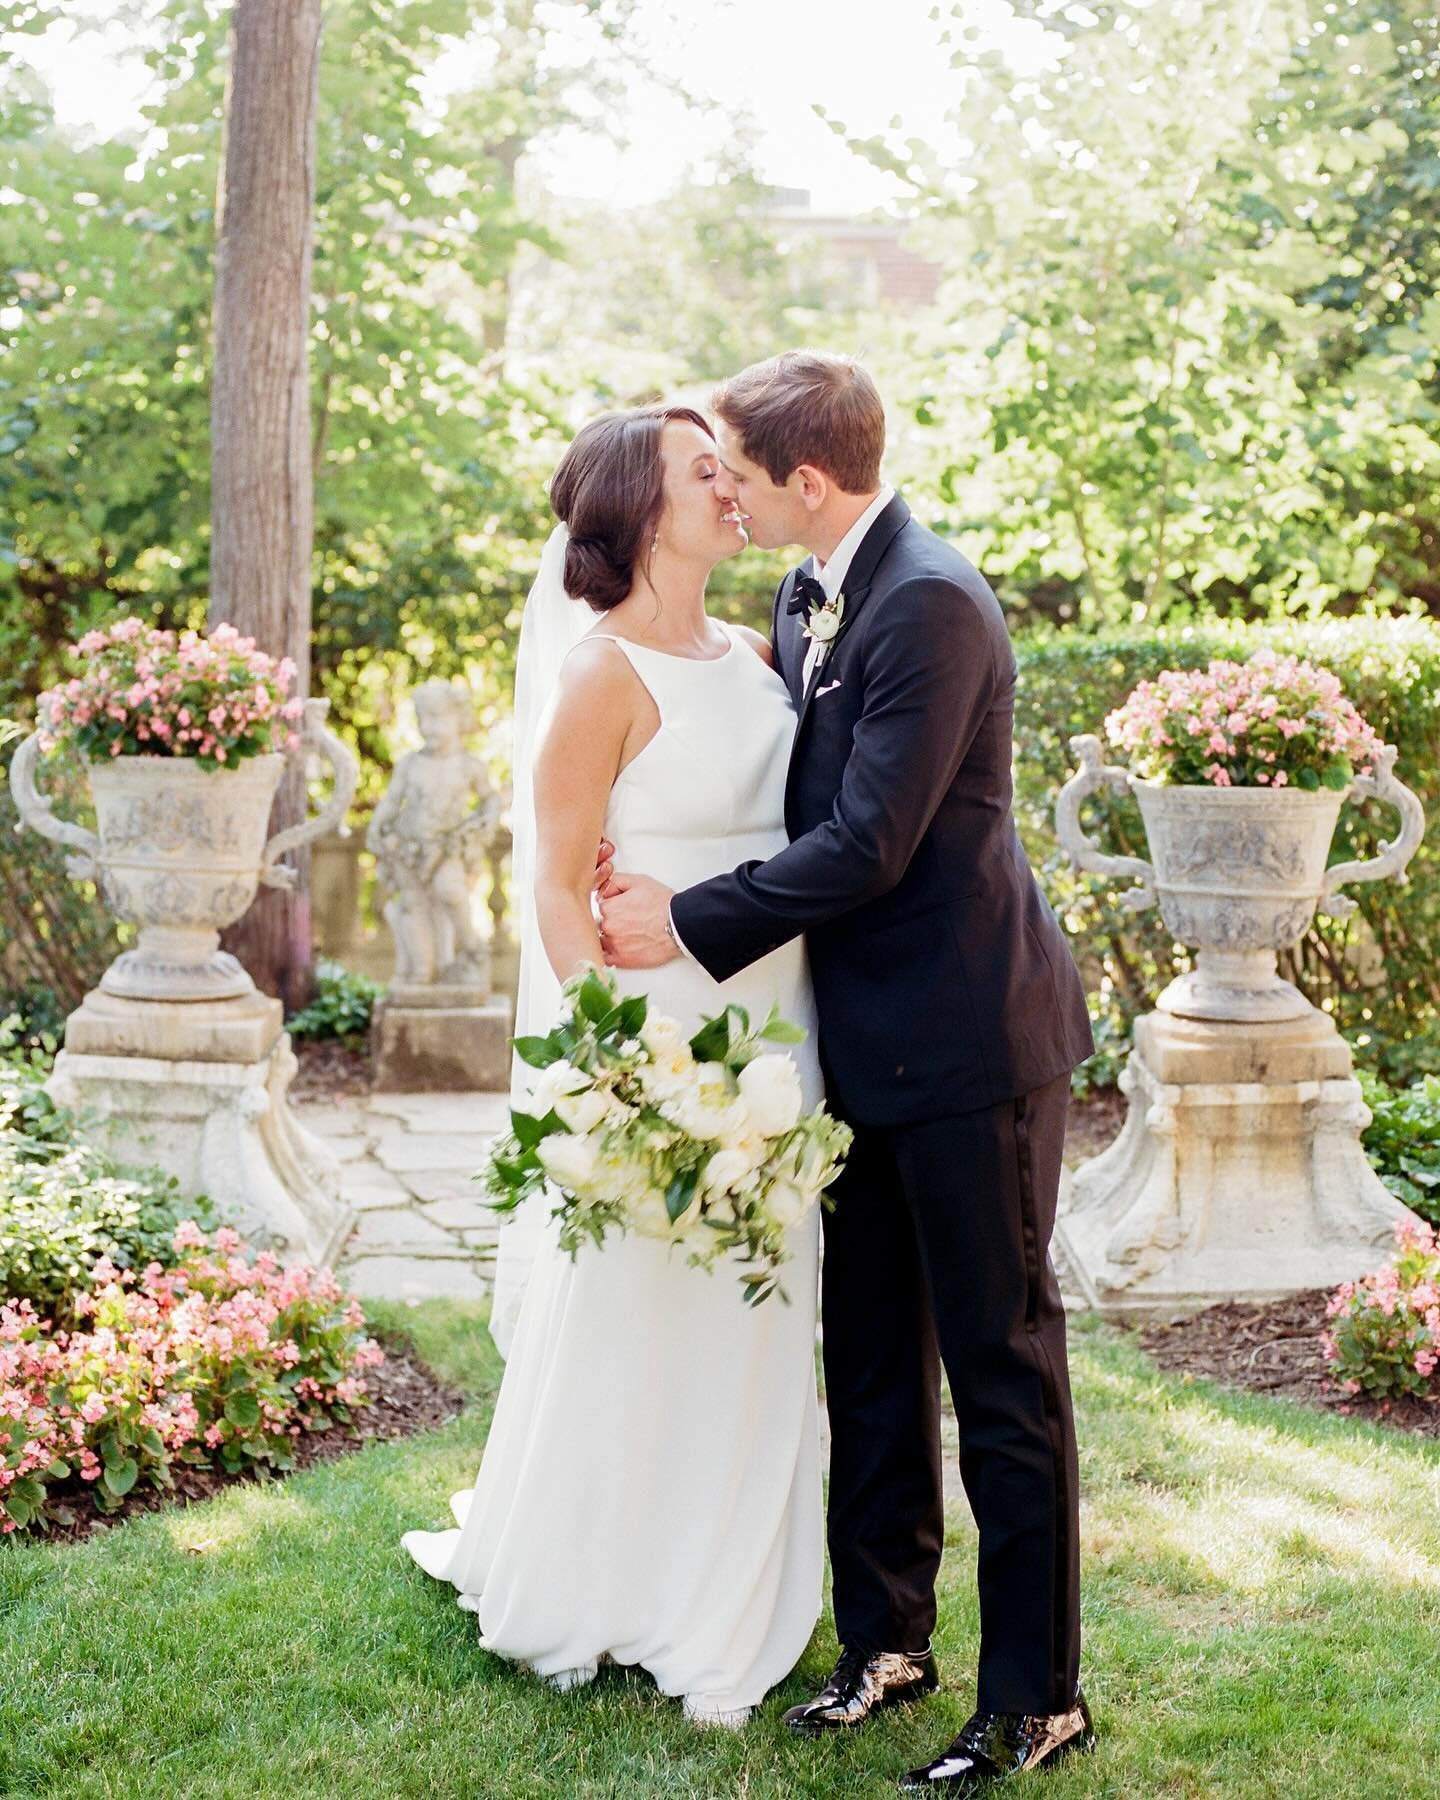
[701,1141]
[1240,770]
[144,692]
[1270,722]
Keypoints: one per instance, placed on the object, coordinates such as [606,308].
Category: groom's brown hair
[807,406]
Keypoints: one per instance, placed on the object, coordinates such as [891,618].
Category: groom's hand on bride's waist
[635,922]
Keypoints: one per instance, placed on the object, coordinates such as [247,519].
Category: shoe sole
[818,1727]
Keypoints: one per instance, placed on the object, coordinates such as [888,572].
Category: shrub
[66,1205]
[219,1361]
[1390,669]
[1403,1141]
[1384,1336]
[342,1005]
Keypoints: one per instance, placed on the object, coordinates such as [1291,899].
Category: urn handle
[1381,783]
[317,736]
[1095,773]
[37,811]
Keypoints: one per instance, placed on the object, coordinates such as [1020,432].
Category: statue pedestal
[199,1089]
[1238,1174]
[440,1037]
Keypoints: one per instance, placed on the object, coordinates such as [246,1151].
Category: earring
[655,543]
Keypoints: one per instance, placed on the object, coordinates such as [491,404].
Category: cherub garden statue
[430,834]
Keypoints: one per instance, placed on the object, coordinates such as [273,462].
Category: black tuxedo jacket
[942,979]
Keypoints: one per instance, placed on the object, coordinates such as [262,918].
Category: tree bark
[261,496]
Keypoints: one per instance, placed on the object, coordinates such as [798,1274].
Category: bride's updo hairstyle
[610,491]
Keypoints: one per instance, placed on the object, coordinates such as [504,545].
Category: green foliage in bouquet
[700,1141]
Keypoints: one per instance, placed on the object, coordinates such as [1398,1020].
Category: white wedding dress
[650,1491]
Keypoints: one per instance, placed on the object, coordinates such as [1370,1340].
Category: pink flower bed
[221,1360]
[144,692]
[1384,1336]
[1273,721]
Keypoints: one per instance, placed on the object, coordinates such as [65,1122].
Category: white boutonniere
[824,621]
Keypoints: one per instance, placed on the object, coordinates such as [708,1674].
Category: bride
[650,1491]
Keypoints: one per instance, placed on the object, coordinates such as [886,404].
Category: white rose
[569,1161]
[560,1078]
[771,1089]
[646,1210]
[824,624]
[787,1204]
[582,1112]
[664,1039]
[726,1170]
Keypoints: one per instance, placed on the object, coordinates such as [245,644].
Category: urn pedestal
[1239,1172]
[176,1059]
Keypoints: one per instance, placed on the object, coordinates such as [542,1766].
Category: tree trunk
[261,498]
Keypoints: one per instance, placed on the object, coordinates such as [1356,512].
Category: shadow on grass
[1262,1598]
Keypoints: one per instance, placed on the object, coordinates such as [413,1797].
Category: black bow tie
[806,593]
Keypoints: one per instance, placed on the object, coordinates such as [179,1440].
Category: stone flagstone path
[406,1160]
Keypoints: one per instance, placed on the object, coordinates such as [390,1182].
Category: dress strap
[642,665]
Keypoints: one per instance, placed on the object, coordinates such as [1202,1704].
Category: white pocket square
[826,690]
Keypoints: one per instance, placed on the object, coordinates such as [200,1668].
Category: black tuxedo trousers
[936,1256]
[950,1016]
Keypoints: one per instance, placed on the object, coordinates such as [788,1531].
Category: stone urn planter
[180,852]
[1239,1172]
[176,1059]
[1238,872]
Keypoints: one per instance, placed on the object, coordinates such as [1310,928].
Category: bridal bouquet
[701,1141]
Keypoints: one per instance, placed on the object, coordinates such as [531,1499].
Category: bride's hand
[635,923]
[604,866]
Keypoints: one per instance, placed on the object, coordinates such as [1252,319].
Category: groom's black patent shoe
[995,1747]
[863,1681]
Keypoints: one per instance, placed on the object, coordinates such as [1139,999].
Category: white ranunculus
[771,1089]
[788,1204]
[708,1108]
[569,1161]
[824,624]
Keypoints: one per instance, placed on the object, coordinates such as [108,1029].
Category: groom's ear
[811,484]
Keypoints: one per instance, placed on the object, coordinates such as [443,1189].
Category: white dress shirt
[830,575]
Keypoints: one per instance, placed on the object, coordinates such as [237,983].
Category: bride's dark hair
[610,491]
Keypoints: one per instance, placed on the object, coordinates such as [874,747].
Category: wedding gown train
[650,1491]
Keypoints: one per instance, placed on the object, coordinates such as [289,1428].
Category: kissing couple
[819,819]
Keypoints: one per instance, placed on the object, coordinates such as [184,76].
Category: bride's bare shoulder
[756,641]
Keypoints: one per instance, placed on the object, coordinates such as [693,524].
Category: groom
[950,1017]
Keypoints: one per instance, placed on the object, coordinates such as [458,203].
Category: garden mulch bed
[407,1399]
[331,1069]
[1274,1349]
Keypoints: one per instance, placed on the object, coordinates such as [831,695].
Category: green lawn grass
[1262,1607]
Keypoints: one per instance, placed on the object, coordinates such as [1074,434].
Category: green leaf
[19,1510]
[595,998]
[120,1477]
[538,1052]
[529,1130]
[633,1013]
[680,1193]
[1309,780]
[243,1410]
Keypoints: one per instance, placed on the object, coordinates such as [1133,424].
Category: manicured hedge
[1380,973]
